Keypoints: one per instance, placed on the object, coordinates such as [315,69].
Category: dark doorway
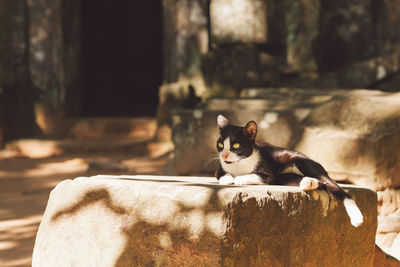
[122,57]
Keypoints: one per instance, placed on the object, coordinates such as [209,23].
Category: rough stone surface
[384,260]
[185,38]
[363,74]
[188,221]
[317,30]
[301,19]
[227,70]
[389,204]
[395,248]
[345,26]
[236,21]
[357,137]
[46,47]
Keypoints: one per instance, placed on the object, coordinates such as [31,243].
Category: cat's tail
[356,217]
[354,213]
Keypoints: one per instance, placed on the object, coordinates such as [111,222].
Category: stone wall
[310,44]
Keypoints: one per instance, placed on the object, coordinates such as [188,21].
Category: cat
[243,161]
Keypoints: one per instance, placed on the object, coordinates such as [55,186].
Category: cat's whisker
[214,158]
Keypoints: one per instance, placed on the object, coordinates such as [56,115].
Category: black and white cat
[243,161]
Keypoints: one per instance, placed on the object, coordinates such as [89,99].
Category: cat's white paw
[308,183]
[248,179]
[226,179]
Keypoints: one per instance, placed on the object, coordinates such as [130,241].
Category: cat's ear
[251,130]
[222,121]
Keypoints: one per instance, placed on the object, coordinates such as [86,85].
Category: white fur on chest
[242,167]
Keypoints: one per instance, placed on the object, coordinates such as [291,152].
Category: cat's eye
[220,145]
[236,145]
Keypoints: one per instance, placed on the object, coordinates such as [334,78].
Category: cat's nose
[225,156]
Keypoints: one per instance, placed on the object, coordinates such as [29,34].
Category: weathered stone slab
[382,259]
[389,221]
[357,137]
[395,248]
[309,95]
[193,221]
[246,103]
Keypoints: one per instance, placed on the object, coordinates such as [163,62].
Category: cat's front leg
[226,179]
[248,179]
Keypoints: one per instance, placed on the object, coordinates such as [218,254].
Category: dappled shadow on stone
[91,198]
[172,221]
[185,233]
[157,245]
[149,230]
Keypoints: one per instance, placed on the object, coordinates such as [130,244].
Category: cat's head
[235,142]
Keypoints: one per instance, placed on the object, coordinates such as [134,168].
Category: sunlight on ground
[63,166]
[143,165]
[37,148]
[17,233]
[68,166]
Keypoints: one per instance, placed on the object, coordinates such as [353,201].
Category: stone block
[363,74]
[193,221]
[395,248]
[361,29]
[238,21]
[185,38]
[302,27]
[383,259]
[356,138]
[227,70]
[388,219]
[195,133]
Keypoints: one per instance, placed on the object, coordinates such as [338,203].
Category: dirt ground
[25,185]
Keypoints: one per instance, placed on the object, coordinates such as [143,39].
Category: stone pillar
[46,63]
[185,38]
[71,34]
[16,91]
[46,49]
[302,29]
[346,33]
